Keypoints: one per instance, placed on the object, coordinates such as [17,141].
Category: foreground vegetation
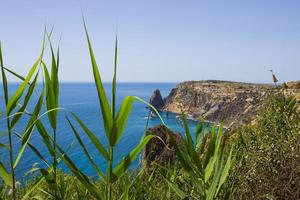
[258,161]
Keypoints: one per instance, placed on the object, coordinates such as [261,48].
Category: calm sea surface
[82,99]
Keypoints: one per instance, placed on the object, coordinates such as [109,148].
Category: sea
[82,99]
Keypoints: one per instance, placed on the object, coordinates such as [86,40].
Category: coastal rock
[156,100]
[293,85]
[160,151]
[234,102]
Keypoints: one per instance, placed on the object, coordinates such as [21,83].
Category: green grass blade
[29,128]
[215,155]
[114,83]
[104,104]
[211,145]
[122,116]
[26,100]
[33,188]
[199,129]
[79,175]
[211,192]
[92,137]
[7,178]
[50,97]
[45,136]
[4,79]
[4,146]
[174,187]
[41,157]
[15,74]
[54,75]
[121,168]
[225,171]
[188,137]
[17,95]
[84,149]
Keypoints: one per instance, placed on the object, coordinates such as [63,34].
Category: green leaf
[85,150]
[54,74]
[17,95]
[216,155]
[33,149]
[124,164]
[15,74]
[122,116]
[226,169]
[48,176]
[114,83]
[45,136]
[4,146]
[211,145]
[7,178]
[104,104]
[50,97]
[199,128]
[25,103]
[29,128]
[211,192]
[92,137]
[80,176]
[4,79]
[174,187]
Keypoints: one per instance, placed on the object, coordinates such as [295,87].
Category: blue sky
[159,41]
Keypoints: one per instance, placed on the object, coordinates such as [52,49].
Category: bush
[267,165]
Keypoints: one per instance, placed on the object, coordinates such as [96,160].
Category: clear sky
[159,41]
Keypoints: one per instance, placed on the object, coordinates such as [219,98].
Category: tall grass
[14,111]
[114,123]
[204,161]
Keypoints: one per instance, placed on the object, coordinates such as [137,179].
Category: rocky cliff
[237,102]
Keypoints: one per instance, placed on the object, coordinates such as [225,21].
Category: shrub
[267,165]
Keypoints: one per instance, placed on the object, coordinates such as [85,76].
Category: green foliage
[267,165]
[10,105]
[203,160]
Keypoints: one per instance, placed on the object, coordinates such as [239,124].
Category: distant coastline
[214,100]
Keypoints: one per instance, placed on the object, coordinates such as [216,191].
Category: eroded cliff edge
[237,102]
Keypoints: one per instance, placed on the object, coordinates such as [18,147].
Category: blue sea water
[82,99]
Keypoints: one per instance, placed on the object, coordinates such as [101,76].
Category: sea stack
[156,100]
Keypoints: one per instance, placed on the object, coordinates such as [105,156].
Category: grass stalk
[54,162]
[4,82]
[109,173]
[11,159]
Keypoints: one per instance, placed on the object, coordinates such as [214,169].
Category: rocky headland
[237,103]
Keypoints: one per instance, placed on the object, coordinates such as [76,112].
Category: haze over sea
[82,99]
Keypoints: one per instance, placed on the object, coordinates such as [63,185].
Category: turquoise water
[82,99]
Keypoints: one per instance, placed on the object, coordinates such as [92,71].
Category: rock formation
[156,100]
[236,102]
[293,85]
[160,152]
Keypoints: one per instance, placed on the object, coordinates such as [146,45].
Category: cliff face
[237,102]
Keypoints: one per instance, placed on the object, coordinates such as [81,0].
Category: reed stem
[11,159]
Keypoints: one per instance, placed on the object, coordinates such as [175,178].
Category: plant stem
[109,173]
[54,160]
[54,157]
[11,159]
